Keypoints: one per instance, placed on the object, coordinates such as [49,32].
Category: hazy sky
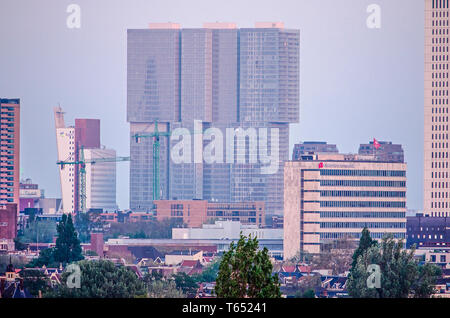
[356,83]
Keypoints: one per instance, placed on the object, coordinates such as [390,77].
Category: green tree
[401,275]
[101,279]
[164,289]
[87,222]
[209,274]
[34,281]
[365,242]
[68,248]
[246,271]
[41,231]
[18,245]
[307,294]
[46,257]
[186,283]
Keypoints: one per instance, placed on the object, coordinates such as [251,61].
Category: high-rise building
[387,151]
[312,146]
[334,196]
[100,180]
[9,150]
[436,151]
[224,77]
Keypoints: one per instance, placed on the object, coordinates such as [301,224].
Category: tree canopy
[67,249]
[246,271]
[101,279]
[401,275]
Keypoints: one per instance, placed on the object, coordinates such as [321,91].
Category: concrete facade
[195,213]
[334,196]
[9,150]
[8,221]
[226,230]
[436,152]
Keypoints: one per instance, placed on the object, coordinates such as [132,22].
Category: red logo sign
[320,165]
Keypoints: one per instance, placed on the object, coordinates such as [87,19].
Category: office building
[100,180]
[224,77]
[226,230]
[312,146]
[383,151]
[334,196]
[194,213]
[436,152]
[430,232]
[8,221]
[29,194]
[9,150]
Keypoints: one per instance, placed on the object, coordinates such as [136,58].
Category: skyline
[79,98]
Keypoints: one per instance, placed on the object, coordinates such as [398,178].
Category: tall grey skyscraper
[436,154]
[226,78]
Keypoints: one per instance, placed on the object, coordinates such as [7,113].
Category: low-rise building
[196,212]
[425,231]
[226,230]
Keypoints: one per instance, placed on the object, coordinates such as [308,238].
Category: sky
[356,83]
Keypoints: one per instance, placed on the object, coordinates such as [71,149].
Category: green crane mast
[155,135]
[81,164]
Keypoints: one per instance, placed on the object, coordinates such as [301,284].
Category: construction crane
[81,164]
[155,135]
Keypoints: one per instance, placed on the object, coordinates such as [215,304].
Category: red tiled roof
[189,263]
[288,269]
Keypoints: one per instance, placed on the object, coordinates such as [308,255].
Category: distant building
[10,150]
[29,194]
[225,77]
[8,221]
[277,222]
[49,205]
[334,196]
[194,213]
[436,201]
[100,180]
[100,177]
[226,230]
[386,152]
[424,231]
[312,146]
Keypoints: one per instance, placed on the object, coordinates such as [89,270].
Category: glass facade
[227,78]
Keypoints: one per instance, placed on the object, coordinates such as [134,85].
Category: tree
[87,222]
[186,283]
[246,271]
[401,275]
[46,257]
[101,279]
[41,231]
[209,274]
[164,289]
[34,281]
[365,242]
[18,245]
[68,248]
[148,229]
[307,294]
